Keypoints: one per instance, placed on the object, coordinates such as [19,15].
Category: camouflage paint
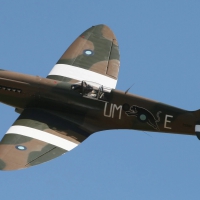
[52,106]
[104,57]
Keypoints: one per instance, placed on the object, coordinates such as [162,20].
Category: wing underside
[36,137]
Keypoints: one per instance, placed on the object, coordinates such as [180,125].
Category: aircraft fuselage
[119,111]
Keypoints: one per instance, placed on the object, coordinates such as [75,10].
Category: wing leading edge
[93,56]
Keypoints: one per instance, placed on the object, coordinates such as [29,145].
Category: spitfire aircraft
[77,99]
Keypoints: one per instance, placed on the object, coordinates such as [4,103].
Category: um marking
[111,112]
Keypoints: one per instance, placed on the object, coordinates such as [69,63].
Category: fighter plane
[77,99]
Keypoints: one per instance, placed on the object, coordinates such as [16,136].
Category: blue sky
[160,47]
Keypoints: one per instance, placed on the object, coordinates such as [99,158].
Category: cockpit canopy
[92,90]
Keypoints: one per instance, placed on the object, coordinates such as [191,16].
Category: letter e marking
[167,121]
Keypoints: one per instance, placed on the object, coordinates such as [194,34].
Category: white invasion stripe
[43,136]
[197,128]
[82,75]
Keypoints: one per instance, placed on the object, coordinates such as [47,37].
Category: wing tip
[102,29]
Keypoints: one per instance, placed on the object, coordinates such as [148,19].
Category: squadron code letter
[167,121]
[113,107]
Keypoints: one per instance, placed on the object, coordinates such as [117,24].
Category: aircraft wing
[93,56]
[38,136]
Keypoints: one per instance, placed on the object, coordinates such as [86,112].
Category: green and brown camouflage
[68,109]
[93,41]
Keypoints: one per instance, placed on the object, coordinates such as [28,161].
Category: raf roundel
[20,147]
[88,52]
